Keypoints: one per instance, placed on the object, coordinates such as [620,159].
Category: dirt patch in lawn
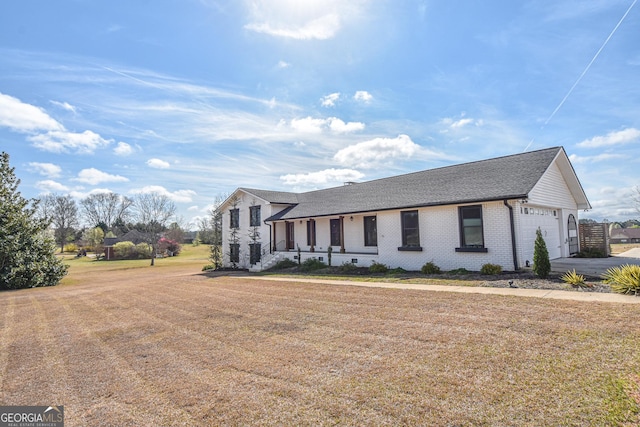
[171,346]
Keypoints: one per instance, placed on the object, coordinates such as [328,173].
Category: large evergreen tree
[27,256]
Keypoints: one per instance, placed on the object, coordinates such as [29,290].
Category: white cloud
[322,28]
[330,100]
[46,169]
[612,138]
[21,117]
[123,149]
[49,186]
[593,159]
[376,152]
[302,20]
[63,141]
[311,125]
[93,176]
[180,196]
[339,126]
[460,123]
[283,64]
[363,96]
[64,106]
[324,177]
[158,164]
[308,125]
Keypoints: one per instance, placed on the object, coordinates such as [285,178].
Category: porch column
[342,249]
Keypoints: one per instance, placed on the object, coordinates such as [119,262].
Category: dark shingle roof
[500,178]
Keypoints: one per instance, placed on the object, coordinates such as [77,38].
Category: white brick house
[460,216]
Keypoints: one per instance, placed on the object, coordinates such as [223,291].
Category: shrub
[591,253]
[285,263]
[312,264]
[123,250]
[624,279]
[430,268]
[490,269]
[397,270]
[574,279]
[71,247]
[143,250]
[377,267]
[348,267]
[208,267]
[459,271]
[541,263]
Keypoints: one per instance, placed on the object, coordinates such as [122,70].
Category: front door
[291,241]
[573,235]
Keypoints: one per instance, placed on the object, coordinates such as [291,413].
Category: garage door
[547,219]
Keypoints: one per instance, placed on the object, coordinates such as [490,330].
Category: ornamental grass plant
[624,279]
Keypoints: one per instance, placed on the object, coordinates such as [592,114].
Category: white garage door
[547,219]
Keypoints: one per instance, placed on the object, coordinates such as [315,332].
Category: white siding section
[552,190]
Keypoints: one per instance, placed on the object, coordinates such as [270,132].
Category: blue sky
[194,98]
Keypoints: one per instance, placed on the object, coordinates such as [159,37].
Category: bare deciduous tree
[106,208]
[62,211]
[153,211]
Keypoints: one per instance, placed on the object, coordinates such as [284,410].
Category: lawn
[122,343]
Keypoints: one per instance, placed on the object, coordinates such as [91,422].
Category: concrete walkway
[595,267]
[535,293]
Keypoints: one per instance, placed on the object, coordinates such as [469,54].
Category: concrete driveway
[595,266]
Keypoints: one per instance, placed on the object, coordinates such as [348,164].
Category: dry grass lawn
[131,345]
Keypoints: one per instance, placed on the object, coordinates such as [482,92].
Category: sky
[195,98]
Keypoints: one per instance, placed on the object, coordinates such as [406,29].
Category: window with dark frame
[311,232]
[254,253]
[234,215]
[370,231]
[334,225]
[471,231]
[234,252]
[254,216]
[410,229]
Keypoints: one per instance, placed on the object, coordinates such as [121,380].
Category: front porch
[359,259]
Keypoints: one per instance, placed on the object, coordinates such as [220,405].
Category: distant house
[460,216]
[133,236]
[624,235]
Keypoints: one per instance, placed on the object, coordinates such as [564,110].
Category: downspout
[270,247]
[513,236]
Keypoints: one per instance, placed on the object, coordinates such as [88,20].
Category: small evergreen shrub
[541,263]
[208,267]
[430,268]
[490,269]
[397,270]
[285,263]
[377,267]
[312,264]
[624,279]
[574,279]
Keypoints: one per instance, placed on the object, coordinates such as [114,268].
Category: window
[254,216]
[235,218]
[410,231]
[234,252]
[471,234]
[254,253]
[311,232]
[335,232]
[370,231]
